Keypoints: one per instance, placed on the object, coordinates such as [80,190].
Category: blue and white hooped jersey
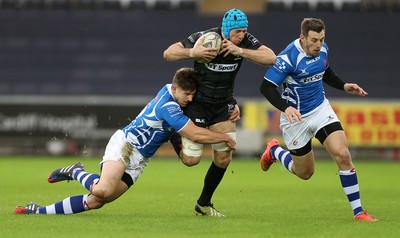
[300,76]
[155,123]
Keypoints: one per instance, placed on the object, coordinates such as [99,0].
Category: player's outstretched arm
[263,55]
[353,88]
[205,136]
[176,52]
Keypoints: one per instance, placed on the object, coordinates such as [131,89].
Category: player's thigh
[296,135]
[110,185]
[337,147]
[191,152]
[335,142]
[222,154]
[223,127]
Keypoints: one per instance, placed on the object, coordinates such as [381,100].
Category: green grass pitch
[161,203]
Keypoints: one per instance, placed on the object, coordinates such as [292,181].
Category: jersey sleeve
[172,113]
[251,42]
[191,40]
[280,70]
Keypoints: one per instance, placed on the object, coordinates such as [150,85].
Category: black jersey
[218,76]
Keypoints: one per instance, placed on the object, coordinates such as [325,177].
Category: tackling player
[130,149]
[306,113]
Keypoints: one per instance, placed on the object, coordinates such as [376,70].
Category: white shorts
[298,134]
[114,152]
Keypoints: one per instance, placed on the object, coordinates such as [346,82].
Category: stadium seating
[137,5]
[351,7]
[187,5]
[81,51]
[192,5]
[301,6]
[96,48]
[275,6]
[325,7]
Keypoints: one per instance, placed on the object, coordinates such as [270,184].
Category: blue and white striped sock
[70,205]
[85,178]
[283,156]
[349,181]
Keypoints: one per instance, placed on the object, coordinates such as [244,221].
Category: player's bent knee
[344,155]
[222,159]
[222,163]
[191,148]
[101,193]
[305,175]
[190,160]
[223,146]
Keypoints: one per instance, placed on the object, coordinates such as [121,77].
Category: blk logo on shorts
[198,120]
[231,107]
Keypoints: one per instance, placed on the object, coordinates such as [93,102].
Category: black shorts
[206,114]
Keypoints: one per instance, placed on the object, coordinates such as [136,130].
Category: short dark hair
[311,24]
[186,78]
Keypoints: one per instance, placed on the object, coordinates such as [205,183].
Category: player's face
[182,97]
[312,44]
[237,35]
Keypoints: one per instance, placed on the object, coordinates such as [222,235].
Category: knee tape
[191,148]
[222,146]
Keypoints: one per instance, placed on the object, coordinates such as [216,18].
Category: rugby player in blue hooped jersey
[214,105]
[302,68]
[130,149]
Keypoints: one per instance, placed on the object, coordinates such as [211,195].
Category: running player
[306,113]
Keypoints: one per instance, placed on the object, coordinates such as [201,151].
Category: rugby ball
[211,40]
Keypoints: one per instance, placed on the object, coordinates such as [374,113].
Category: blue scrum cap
[233,19]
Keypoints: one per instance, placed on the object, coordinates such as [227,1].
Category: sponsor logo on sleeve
[174,110]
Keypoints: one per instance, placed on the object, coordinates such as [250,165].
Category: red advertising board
[366,123]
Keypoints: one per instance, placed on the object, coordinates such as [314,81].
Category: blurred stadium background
[73,71]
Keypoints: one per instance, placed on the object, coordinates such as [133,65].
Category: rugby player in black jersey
[214,105]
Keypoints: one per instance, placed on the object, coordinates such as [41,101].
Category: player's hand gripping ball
[211,40]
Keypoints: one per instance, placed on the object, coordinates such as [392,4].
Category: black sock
[176,141]
[211,181]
